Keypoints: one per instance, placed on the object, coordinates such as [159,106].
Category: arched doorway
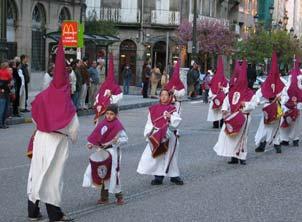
[64,15]
[37,39]
[159,55]
[11,22]
[127,56]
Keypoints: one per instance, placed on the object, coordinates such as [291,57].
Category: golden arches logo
[69,29]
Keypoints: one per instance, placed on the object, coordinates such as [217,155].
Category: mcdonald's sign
[70,33]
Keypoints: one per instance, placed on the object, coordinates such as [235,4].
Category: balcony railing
[224,22]
[117,15]
[162,17]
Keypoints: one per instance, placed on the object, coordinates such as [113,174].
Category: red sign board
[70,34]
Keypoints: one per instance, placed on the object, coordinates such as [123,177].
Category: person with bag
[236,108]
[107,138]
[160,157]
[271,95]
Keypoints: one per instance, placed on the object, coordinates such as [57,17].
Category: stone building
[29,20]
[148,29]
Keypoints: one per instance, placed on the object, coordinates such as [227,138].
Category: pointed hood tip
[60,76]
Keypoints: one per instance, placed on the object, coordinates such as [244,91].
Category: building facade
[27,23]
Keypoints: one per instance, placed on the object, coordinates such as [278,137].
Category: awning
[103,40]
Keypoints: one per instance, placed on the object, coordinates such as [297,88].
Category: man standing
[56,120]
[94,83]
[127,74]
[85,83]
[192,78]
[146,79]
[24,68]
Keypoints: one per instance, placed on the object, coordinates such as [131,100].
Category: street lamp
[271,11]
[256,18]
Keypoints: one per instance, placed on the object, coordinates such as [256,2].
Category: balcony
[225,22]
[163,17]
[117,15]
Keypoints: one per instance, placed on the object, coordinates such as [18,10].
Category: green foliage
[99,27]
[260,45]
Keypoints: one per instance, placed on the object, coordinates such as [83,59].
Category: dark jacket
[25,71]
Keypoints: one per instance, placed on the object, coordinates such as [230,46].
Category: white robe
[227,145]
[114,99]
[110,184]
[268,132]
[157,166]
[179,95]
[50,152]
[214,114]
[293,132]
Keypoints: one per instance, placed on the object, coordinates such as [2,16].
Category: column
[3,44]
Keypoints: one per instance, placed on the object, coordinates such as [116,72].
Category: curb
[23,120]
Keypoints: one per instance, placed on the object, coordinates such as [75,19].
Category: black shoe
[278,148]
[4,126]
[261,147]
[156,182]
[243,162]
[37,218]
[25,111]
[216,125]
[177,180]
[284,143]
[234,160]
[296,143]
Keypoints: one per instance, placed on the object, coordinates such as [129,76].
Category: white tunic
[110,184]
[114,99]
[179,95]
[50,152]
[214,114]
[293,132]
[228,145]
[157,166]
[268,132]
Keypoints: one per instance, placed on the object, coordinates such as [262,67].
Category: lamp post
[256,19]
[271,11]
[285,20]
[3,41]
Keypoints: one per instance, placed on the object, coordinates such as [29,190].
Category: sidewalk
[128,102]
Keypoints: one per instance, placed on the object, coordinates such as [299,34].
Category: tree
[213,36]
[261,44]
[94,26]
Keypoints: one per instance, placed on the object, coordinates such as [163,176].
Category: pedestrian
[291,123]
[146,79]
[101,70]
[109,93]
[17,86]
[72,80]
[155,78]
[206,86]
[24,67]
[108,137]
[94,83]
[176,88]
[76,64]
[56,120]
[5,79]
[192,80]
[164,79]
[217,93]
[160,158]
[236,108]
[85,83]
[251,75]
[270,95]
[127,75]
[48,76]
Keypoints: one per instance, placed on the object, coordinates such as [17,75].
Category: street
[267,189]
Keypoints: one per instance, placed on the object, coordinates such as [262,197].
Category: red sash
[289,117]
[234,122]
[218,100]
[270,113]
